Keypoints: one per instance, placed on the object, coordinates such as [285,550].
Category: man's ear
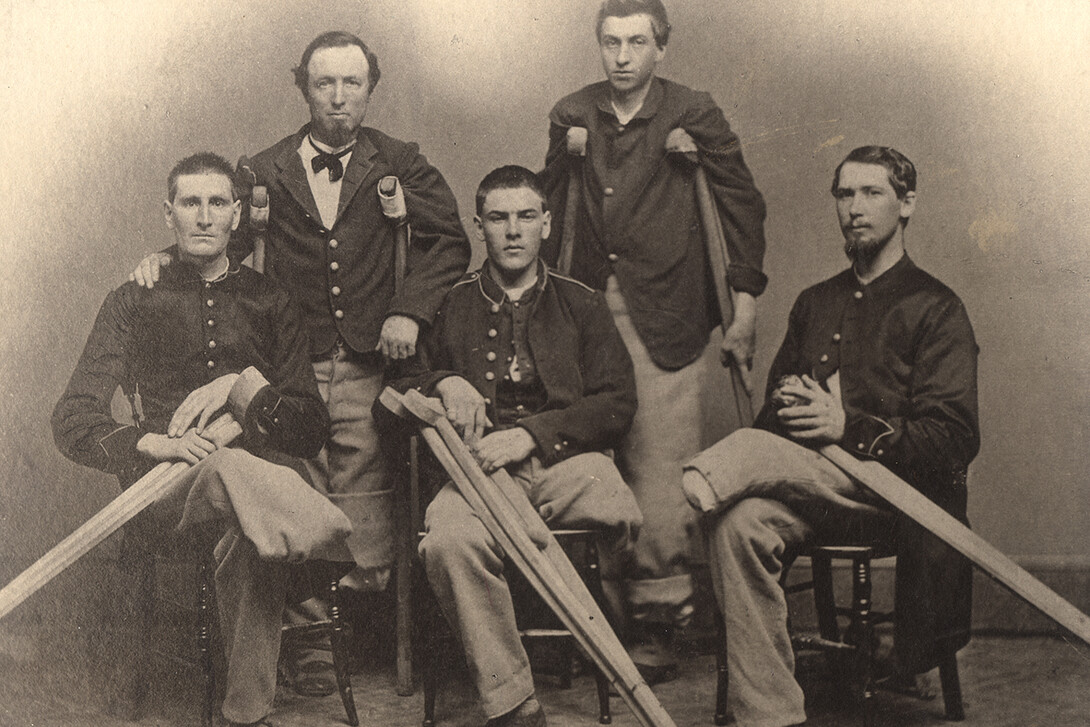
[238,214]
[546,224]
[168,212]
[908,204]
[479,227]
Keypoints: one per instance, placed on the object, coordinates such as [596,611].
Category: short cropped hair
[660,24]
[511,176]
[335,39]
[204,162]
[901,171]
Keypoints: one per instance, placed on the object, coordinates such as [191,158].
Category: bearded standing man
[638,238]
[329,244]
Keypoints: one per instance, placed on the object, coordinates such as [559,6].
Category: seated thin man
[532,371]
[213,337]
[880,359]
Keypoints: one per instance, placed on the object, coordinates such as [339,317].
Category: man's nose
[623,55]
[204,215]
[338,94]
[512,229]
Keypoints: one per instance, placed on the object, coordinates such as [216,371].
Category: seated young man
[211,338]
[881,360]
[532,371]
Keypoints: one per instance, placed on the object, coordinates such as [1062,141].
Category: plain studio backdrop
[990,99]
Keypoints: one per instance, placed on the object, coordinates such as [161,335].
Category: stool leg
[951,686]
[204,643]
[721,676]
[339,652]
[602,683]
[864,630]
[430,666]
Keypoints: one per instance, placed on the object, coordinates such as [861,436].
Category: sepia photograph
[545,362]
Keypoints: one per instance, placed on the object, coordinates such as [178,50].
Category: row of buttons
[210,303]
[335,290]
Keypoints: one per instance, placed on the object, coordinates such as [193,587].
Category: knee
[747,527]
[449,545]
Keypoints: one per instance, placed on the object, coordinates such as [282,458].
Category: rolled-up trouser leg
[464,565]
[665,434]
[351,471]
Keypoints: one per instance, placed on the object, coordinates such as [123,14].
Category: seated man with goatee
[882,361]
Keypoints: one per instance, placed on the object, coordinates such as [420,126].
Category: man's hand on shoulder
[465,407]
[819,418]
[740,338]
[146,273]
[502,448]
[200,405]
[398,337]
[190,447]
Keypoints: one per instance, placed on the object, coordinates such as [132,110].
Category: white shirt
[327,194]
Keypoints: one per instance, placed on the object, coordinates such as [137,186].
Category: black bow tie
[332,162]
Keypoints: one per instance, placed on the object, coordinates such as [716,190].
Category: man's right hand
[190,447]
[147,272]
[465,407]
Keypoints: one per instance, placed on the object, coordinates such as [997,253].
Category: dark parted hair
[902,172]
[511,176]
[660,24]
[204,162]
[336,39]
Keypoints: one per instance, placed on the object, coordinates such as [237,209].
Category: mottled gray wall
[990,99]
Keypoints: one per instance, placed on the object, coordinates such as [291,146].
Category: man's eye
[610,43]
[639,41]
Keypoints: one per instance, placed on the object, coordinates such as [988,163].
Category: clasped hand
[820,419]
[465,409]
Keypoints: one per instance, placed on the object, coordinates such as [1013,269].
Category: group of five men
[544,374]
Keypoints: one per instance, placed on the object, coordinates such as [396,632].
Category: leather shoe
[527,714]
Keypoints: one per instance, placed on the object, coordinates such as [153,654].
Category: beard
[862,251]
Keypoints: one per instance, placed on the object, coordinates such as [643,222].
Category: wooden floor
[1007,681]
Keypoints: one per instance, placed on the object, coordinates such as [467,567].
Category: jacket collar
[495,294]
[291,174]
[650,106]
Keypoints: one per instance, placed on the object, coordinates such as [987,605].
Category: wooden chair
[138,611]
[579,545]
[850,650]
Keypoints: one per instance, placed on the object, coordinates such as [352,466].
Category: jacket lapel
[293,177]
[358,168]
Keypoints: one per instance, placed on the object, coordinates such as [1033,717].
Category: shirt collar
[650,106]
[494,292]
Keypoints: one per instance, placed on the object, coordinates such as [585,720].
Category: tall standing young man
[329,243]
[639,239]
[880,359]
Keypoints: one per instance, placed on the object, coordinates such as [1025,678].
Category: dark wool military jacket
[184,333]
[907,359]
[343,276]
[578,354]
[639,216]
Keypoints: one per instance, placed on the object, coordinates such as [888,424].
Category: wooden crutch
[259,212]
[577,150]
[908,500]
[510,518]
[108,520]
[392,199]
[679,142]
